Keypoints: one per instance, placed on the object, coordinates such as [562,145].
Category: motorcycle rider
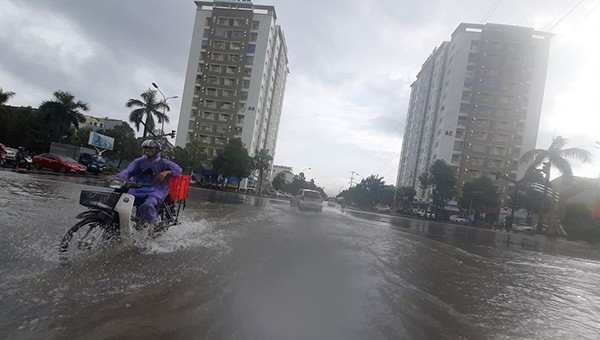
[153,173]
[20,160]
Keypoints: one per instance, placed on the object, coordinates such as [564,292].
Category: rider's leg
[147,211]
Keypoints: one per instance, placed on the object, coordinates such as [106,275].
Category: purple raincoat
[144,171]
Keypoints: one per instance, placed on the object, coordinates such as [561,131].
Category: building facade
[236,76]
[287,170]
[476,104]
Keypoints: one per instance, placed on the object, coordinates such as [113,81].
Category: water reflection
[467,237]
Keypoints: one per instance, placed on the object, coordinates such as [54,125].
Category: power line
[556,41]
[566,15]
[490,11]
[530,11]
[560,16]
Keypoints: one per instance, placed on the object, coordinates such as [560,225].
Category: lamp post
[162,129]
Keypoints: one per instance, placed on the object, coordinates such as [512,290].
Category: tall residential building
[236,75]
[476,104]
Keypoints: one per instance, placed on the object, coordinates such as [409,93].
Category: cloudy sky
[351,65]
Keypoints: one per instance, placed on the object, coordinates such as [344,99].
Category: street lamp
[162,129]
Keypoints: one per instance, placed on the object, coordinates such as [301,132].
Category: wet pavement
[240,267]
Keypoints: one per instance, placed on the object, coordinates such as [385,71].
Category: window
[255,24]
[479,148]
[219,32]
[249,60]
[464,108]
[236,34]
[458,146]
[251,48]
[206,33]
[235,46]
[468,82]
[473,57]
[253,36]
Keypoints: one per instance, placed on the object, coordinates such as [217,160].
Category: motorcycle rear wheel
[88,234]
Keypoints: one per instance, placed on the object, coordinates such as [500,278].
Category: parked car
[524,228]
[458,219]
[11,154]
[425,214]
[94,163]
[308,200]
[383,208]
[56,162]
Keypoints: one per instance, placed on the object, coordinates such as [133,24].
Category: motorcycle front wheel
[86,235]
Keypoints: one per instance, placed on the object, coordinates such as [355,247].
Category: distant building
[95,123]
[289,175]
[235,79]
[476,104]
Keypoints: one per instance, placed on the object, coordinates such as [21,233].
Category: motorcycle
[25,163]
[110,216]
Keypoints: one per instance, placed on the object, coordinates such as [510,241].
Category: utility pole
[352,173]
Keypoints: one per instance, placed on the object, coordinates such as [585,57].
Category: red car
[56,162]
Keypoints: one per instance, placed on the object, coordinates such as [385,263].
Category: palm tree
[149,107]
[261,161]
[555,156]
[5,96]
[64,108]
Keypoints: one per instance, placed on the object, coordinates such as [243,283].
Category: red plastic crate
[179,187]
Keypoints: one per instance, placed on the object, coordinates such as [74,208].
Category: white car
[308,200]
[383,208]
[458,219]
[523,228]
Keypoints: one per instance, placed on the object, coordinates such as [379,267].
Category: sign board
[101,141]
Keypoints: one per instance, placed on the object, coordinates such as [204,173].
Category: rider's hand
[161,176]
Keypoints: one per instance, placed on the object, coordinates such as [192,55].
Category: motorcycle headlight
[116,184]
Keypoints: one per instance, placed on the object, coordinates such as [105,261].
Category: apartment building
[476,104]
[236,76]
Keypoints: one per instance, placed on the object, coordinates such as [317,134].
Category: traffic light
[546,168]
[172,134]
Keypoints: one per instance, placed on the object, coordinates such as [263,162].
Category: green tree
[261,161]
[370,191]
[191,157]
[405,195]
[146,110]
[81,137]
[555,156]
[479,194]
[579,224]
[5,96]
[442,180]
[279,181]
[66,111]
[233,160]
[126,146]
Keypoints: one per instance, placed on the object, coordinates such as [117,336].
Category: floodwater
[239,267]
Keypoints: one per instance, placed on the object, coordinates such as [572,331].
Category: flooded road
[239,267]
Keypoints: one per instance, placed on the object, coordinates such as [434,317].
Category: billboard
[101,141]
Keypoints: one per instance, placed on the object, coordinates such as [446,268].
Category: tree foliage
[479,194]
[441,180]
[405,196]
[261,161]
[191,157]
[66,111]
[146,110]
[279,181]
[126,146]
[369,192]
[557,156]
[300,182]
[579,224]
[233,160]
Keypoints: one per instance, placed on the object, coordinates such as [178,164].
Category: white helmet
[149,143]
